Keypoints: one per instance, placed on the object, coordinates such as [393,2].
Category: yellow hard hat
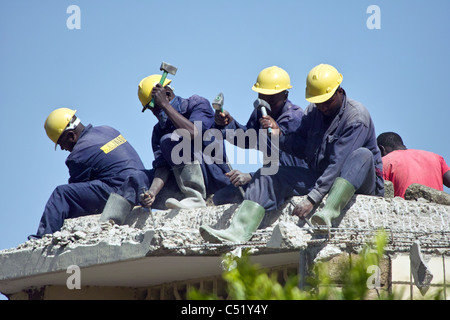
[272,80]
[57,122]
[321,83]
[146,86]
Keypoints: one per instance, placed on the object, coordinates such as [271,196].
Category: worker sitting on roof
[272,85]
[197,177]
[405,166]
[100,160]
[337,139]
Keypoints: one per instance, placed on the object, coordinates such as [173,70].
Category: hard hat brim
[270,91]
[321,98]
[143,99]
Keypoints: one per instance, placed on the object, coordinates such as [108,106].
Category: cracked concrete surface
[179,228]
[86,242]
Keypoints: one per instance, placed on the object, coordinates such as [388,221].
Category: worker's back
[405,167]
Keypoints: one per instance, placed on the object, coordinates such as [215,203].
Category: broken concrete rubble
[417,191]
[180,227]
[174,233]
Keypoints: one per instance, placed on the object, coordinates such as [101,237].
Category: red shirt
[405,167]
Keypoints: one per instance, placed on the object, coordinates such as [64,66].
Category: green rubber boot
[189,179]
[245,221]
[340,194]
[116,208]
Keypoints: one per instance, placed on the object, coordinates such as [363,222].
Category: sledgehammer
[218,106]
[263,105]
[166,68]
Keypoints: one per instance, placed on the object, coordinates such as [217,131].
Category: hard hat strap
[73,124]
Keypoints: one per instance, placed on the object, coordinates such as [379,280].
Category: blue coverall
[288,120]
[99,163]
[342,146]
[195,109]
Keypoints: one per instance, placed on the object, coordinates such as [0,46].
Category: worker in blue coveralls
[99,162]
[272,85]
[337,139]
[181,122]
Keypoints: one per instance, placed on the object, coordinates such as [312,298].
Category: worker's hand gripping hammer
[263,105]
[166,69]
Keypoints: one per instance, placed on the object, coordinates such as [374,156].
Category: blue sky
[399,72]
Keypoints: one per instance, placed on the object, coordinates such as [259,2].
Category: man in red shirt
[405,166]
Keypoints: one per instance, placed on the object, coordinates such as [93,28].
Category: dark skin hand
[162,97]
[148,198]
[276,102]
[269,122]
[238,178]
[303,209]
[222,119]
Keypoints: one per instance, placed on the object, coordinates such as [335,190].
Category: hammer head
[168,68]
[218,102]
[261,103]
